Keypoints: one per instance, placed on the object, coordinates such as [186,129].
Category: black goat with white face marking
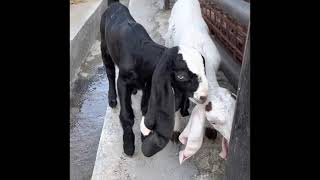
[163,74]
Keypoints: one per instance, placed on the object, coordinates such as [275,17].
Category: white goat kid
[188,29]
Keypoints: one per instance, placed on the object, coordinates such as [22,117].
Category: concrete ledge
[240,10]
[84,30]
[230,67]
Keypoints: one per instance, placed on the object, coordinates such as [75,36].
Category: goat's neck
[212,79]
[155,54]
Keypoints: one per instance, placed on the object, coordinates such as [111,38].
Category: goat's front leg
[146,91]
[145,98]
[224,151]
[111,74]
[126,116]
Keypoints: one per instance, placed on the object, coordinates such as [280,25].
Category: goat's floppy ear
[181,103]
[160,115]
[184,106]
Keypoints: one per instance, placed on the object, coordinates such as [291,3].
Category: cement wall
[238,9]
[84,30]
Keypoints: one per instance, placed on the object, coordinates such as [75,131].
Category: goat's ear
[162,95]
[181,103]
[160,115]
[184,106]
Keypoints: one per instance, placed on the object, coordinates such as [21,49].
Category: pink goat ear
[182,157]
[183,140]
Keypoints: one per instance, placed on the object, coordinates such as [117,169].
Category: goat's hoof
[211,133]
[128,142]
[128,149]
[112,103]
[175,137]
[129,152]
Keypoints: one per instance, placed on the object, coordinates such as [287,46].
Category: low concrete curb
[84,30]
[230,68]
[240,10]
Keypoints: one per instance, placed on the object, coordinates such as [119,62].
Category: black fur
[112,1]
[160,115]
[185,102]
[184,106]
[127,44]
[175,137]
[211,133]
[204,62]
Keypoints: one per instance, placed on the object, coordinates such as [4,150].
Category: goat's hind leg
[126,116]
[110,70]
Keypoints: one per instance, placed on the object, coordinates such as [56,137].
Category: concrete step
[84,29]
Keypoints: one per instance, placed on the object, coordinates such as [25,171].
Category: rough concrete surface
[112,163]
[80,13]
[88,104]
[84,28]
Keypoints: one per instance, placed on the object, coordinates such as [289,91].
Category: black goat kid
[162,73]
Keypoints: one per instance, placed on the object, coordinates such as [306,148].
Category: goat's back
[186,16]
[120,31]
[188,28]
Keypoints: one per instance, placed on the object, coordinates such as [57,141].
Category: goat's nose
[209,106]
[203,98]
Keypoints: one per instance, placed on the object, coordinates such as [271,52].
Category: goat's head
[189,75]
[175,75]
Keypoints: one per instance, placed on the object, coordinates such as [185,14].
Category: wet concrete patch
[88,103]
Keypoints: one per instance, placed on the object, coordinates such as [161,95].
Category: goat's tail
[153,143]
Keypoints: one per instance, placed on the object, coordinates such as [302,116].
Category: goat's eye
[181,77]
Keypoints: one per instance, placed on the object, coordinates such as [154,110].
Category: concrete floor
[112,163]
[96,134]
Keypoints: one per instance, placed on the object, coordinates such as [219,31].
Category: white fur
[177,122]
[188,29]
[192,135]
[194,62]
[221,115]
[144,130]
